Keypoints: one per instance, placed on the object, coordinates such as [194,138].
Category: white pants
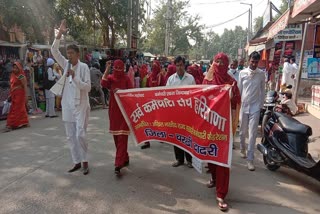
[249,122]
[50,102]
[76,137]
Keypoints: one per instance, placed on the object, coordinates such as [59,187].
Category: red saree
[17,116]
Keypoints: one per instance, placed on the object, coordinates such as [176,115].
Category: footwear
[243,154]
[211,183]
[223,206]
[250,165]
[178,163]
[117,171]
[145,146]
[47,116]
[86,170]
[189,164]
[53,116]
[75,168]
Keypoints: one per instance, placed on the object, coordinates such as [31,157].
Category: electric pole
[129,28]
[168,27]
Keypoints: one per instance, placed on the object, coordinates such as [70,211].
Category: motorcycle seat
[291,125]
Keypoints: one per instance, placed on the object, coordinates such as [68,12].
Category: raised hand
[63,27]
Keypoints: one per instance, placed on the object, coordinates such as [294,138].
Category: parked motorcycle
[285,143]
[269,103]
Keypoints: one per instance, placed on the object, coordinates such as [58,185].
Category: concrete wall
[305,87]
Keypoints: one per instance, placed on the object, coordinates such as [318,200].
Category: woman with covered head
[155,79]
[118,126]
[171,70]
[18,117]
[218,75]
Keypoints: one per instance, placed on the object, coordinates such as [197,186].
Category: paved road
[33,178]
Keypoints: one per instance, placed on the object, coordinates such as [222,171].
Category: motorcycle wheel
[270,164]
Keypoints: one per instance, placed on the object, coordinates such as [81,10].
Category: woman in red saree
[155,79]
[118,126]
[218,75]
[18,117]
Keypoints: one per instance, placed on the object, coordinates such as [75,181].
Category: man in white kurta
[75,100]
[286,79]
[251,86]
[50,97]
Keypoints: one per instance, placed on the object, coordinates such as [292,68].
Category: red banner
[194,118]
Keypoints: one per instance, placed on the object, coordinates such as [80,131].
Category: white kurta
[252,90]
[75,105]
[286,74]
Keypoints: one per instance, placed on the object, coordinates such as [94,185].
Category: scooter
[285,143]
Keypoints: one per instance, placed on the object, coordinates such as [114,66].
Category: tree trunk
[113,35]
[106,38]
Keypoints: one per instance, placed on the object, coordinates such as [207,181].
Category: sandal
[223,206]
[211,183]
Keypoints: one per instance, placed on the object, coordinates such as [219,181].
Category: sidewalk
[311,118]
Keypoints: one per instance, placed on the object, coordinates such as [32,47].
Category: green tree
[258,22]
[33,17]
[184,29]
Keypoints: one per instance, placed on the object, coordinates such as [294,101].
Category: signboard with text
[290,33]
[193,118]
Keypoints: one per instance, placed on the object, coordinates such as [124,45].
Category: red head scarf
[19,67]
[218,74]
[143,71]
[156,68]
[172,69]
[118,68]
[14,78]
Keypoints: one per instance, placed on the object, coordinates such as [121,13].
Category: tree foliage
[258,22]
[106,18]
[184,29]
[229,42]
[33,17]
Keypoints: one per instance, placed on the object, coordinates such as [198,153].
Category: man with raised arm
[75,100]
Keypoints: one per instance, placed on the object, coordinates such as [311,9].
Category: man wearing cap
[288,102]
[118,126]
[75,100]
[49,81]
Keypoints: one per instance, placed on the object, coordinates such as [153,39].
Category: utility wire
[218,2]
[222,23]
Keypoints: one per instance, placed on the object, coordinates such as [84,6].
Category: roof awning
[9,44]
[305,8]
[147,54]
[279,25]
[302,12]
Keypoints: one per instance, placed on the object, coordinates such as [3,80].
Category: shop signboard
[307,54]
[290,33]
[316,50]
[267,15]
[279,25]
[313,67]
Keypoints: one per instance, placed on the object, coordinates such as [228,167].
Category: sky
[213,12]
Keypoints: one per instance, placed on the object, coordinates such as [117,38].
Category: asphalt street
[34,178]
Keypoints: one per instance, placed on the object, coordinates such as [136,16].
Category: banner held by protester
[196,118]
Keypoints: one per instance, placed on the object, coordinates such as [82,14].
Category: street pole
[167,35]
[94,25]
[129,28]
[303,46]
[250,21]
